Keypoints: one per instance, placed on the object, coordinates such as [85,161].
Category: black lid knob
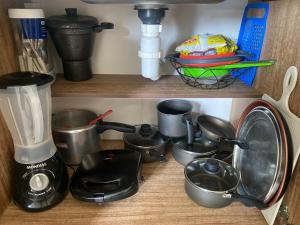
[145,130]
[212,166]
[71,11]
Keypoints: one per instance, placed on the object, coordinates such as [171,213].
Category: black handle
[71,11]
[233,141]
[103,26]
[187,118]
[121,127]
[244,54]
[159,157]
[249,201]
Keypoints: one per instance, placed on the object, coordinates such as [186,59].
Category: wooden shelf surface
[135,86]
[161,200]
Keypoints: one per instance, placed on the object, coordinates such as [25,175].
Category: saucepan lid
[71,20]
[212,175]
[146,136]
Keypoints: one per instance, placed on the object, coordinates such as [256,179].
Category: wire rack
[207,78]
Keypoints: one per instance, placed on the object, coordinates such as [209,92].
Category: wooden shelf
[135,86]
[160,200]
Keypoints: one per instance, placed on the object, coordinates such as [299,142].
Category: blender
[39,179]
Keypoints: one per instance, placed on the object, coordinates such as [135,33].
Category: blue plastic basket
[251,37]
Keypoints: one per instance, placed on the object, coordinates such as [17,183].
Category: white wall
[115,51]
[138,111]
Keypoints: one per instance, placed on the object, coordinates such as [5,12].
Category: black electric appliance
[107,176]
[39,179]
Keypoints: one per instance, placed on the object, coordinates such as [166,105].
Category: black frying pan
[219,130]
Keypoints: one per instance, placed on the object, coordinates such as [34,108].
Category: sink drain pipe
[150,51]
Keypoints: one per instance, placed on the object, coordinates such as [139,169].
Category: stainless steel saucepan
[74,137]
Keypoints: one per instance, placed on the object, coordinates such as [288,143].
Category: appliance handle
[33,100]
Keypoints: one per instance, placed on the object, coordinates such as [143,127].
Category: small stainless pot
[73,136]
[170,115]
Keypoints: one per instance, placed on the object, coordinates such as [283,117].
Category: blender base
[40,186]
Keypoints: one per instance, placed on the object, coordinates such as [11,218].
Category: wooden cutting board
[293,123]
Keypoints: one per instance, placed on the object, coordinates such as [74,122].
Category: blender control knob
[39,182]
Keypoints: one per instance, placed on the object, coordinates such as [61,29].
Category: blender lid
[24,79]
[71,20]
[146,136]
[212,175]
[259,165]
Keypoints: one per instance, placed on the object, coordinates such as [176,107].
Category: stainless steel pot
[170,115]
[73,136]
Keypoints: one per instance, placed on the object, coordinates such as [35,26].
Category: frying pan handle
[233,141]
[121,127]
[187,118]
[247,200]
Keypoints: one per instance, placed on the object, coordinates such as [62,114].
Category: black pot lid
[146,136]
[71,20]
[261,163]
[203,146]
[212,175]
[24,79]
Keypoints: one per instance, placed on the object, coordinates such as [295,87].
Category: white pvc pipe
[150,52]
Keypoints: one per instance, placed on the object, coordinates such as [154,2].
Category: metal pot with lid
[148,141]
[73,36]
[256,174]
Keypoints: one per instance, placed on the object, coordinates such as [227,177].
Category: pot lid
[259,165]
[212,175]
[71,20]
[146,136]
[24,79]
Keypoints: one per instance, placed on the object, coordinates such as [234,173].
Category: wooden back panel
[282,42]
[7,64]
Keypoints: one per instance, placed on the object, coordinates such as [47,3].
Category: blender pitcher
[40,178]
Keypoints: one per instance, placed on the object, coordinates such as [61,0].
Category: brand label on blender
[35,166]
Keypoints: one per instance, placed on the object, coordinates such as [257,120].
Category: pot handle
[247,200]
[187,118]
[241,144]
[160,157]
[121,127]
[103,26]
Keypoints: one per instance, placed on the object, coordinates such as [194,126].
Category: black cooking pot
[148,141]
[73,36]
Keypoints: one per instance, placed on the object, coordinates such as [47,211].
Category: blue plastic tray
[251,37]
